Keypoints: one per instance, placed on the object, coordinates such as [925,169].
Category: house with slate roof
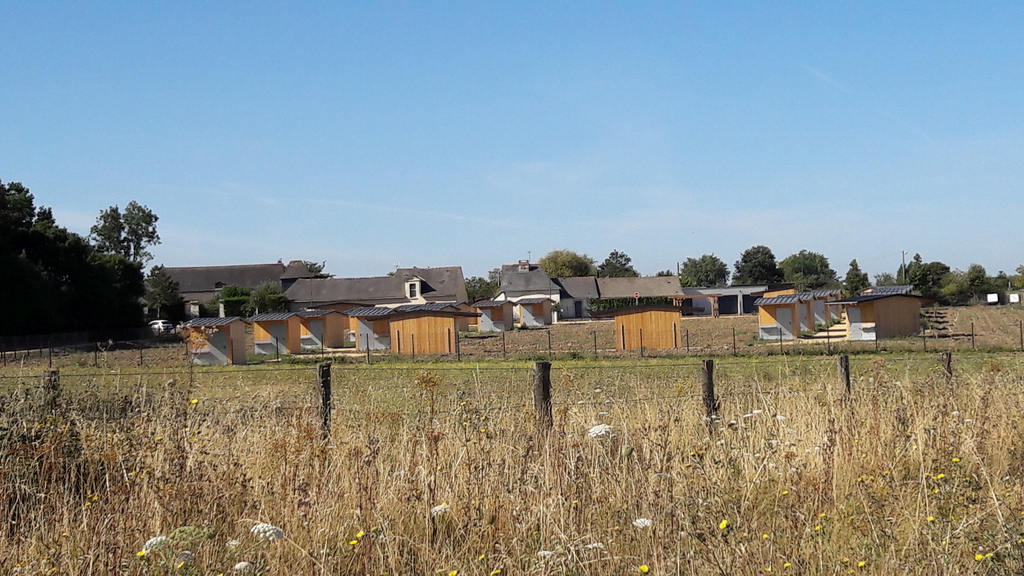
[526,285]
[407,286]
[203,283]
[576,295]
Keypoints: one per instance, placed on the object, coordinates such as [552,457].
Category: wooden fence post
[947,364]
[324,374]
[707,373]
[51,389]
[549,341]
[733,340]
[972,335]
[367,348]
[641,342]
[595,344]
[542,396]
[504,350]
[843,364]
[687,340]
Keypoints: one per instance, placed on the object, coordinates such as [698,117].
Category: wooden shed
[534,311]
[276,333]
[216,341]
[371,327]
[323,329]
[649,326]
[783,317]
[495,315]
[877,316]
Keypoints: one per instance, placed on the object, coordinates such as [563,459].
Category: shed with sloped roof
[323,329]
[216,341]
[647,326]
[495,315]
[275,333]
[877,316]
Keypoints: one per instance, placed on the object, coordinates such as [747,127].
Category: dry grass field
[437,468]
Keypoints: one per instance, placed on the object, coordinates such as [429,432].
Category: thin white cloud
[826,78]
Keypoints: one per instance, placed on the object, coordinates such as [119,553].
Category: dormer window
[412,289]
[524,265]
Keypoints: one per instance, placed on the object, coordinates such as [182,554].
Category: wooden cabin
[877,316]
[648,326]
[216,341]
[370,326]
[783,317]
[495,315]
[534,312]
[323,329]
[276,333]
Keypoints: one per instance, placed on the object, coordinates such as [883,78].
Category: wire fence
[454,390]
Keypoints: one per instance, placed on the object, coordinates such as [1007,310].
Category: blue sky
[477,133]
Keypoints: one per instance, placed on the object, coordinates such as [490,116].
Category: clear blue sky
[476,133]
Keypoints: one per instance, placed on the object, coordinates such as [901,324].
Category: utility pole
[904,268]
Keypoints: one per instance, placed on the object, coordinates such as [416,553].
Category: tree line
[57,281]
[805,270]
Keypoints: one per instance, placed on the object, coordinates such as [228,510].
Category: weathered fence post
[924,341]
[140,355]
[324,374]
[412,342]
[733,340]
[641,342]
[504,351]
[843,364]
[51,389]
[458,347]
[368,349]
[947,364]
[542,396]
[595,343]
[549,341]
[687,340]
[96,355]
[972,335]
[1020,326]
[707,373]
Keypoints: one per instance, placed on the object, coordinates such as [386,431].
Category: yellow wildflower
[644,569]
[723,524]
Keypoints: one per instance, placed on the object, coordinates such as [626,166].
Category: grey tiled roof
[296,269]
[904,289]
[870,297]
[535,300]
[647,286]
[582,287]
[368,311]
[204,279]
[532,281]
[271,317]
[316,313]
[490,303]
[437,284]
[783,299]
[198,322]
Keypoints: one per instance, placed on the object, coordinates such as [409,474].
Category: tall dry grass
[440,471]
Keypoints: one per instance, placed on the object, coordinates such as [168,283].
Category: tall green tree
[707,271]
[617,265]
[478,288]
[267,297]
[928,278]
[808,270]
[756,265]
[53,279]
[163,297]
[567,264]
[128,234]
[856,280]
[885,279]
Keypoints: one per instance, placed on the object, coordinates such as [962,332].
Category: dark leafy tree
[267,297]
[617,265]
[53,279]
[235,299]
[478,288]
[928,279]
[567,264]
[756,265]
[808,271]
[128,234]
[662,273]
[856,280]
[885,279]
[163,297]
[316,269]
[706,271]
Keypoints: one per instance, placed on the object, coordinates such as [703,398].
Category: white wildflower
[599,430]
[440,509]
[155,543]
[267,531]
[245,567]
[232,544]
[594,546]
[546,554]
[642,523]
